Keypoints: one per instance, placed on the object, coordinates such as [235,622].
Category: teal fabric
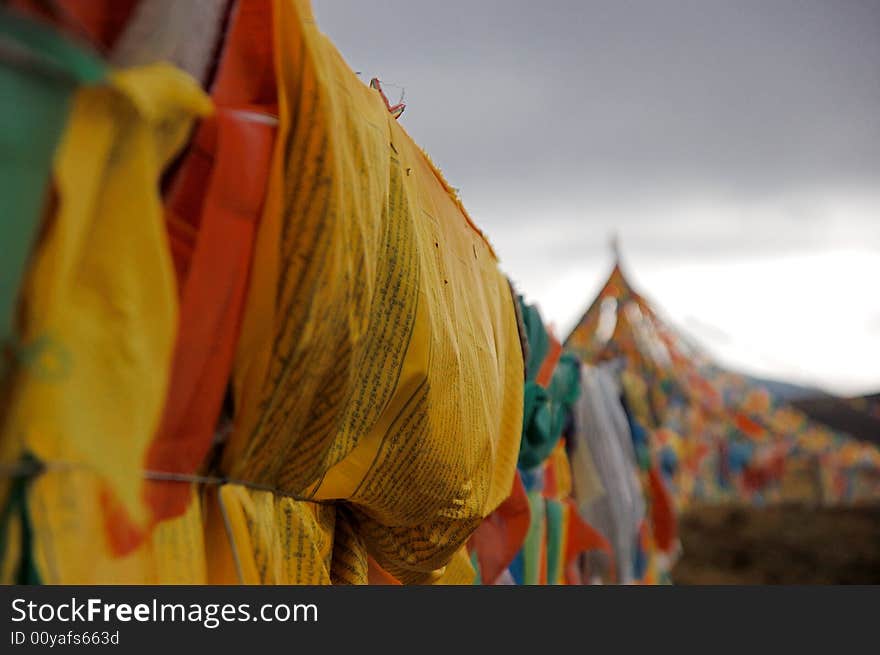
[545,410]
[16,505]
[537,442]
[475,562]
[39,71]
[539,340]
[565,387]
[555,513]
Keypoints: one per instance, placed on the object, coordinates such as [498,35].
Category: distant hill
[854,416]
[841,414]
[787,391]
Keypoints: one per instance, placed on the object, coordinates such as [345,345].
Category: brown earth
[844,414]
[788,544]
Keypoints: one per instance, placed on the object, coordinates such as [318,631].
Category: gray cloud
[751,97]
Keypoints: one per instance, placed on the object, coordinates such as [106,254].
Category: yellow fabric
[275,540]
[585,481]
[99,317]
[10,559]
[68,547]
[562,468]
[379,361]
[349,563]
[563,548]
[459,571]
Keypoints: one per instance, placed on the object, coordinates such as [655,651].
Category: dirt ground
[779,545]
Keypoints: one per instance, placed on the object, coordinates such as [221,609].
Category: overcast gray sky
[733,146]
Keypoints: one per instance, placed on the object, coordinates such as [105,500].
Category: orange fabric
[748,426]
[376,575]
[551,485]
[662,513]
[573,574]
[542,558]
[123,534]
[213,292]
[246,76]
[582,536]
[557,473]
[212,214]
[545,373]
[501,535]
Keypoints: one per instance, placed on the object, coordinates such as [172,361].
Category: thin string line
[34,468]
